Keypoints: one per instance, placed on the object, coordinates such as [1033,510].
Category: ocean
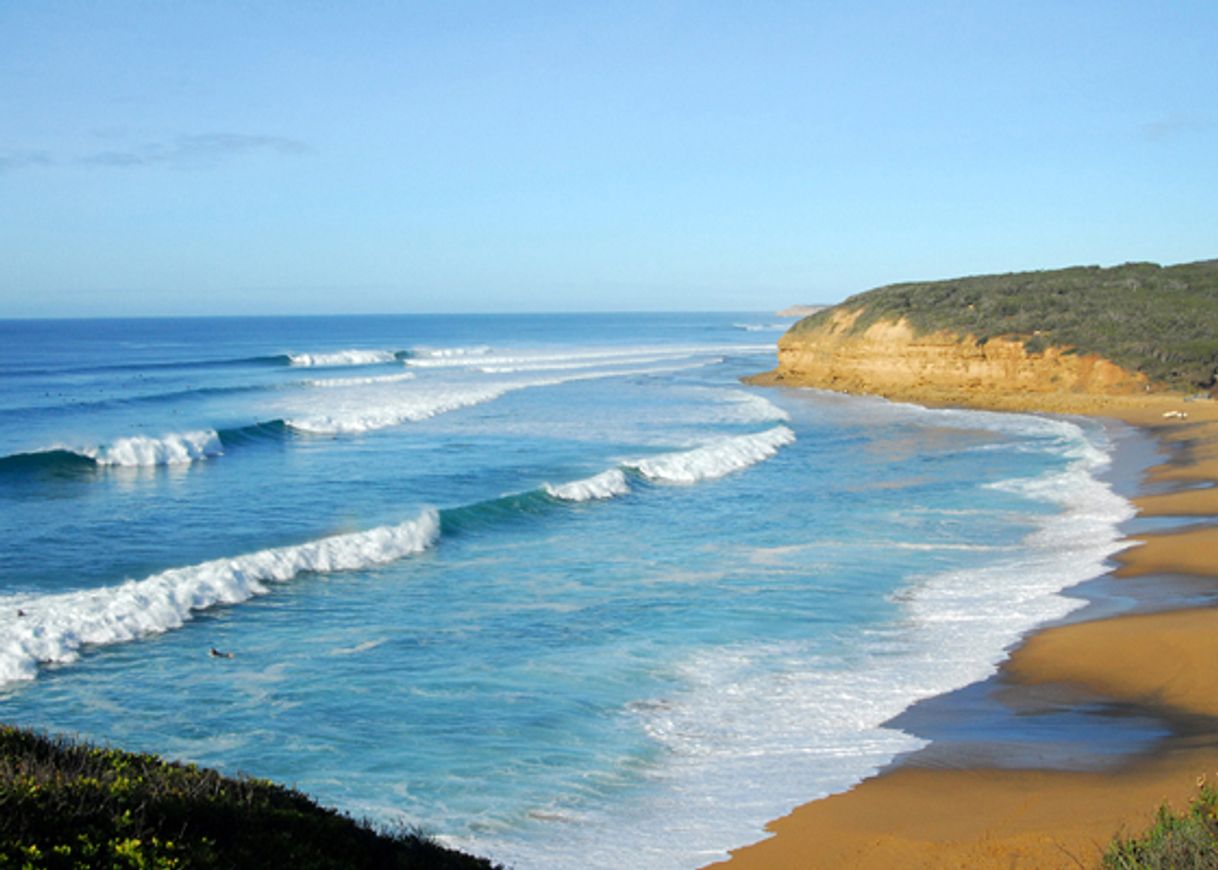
[558,589]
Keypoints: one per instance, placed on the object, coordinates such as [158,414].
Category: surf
[53,629]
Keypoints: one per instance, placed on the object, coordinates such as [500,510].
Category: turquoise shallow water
[557,588]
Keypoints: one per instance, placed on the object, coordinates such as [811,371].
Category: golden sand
[1161,663]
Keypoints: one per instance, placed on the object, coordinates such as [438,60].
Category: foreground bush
[70,805]
[1175,842]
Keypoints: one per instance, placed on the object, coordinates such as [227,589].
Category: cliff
[889,358]
[1077,339]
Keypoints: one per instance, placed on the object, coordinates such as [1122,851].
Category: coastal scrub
[70,805]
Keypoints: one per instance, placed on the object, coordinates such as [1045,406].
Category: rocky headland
[1076,340]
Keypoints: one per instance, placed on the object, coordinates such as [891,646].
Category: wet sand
[943,807]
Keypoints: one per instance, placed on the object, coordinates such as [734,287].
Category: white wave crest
[761,327]
[53,628]
[359,382]
[177,448]
[607,484]
[354,357]
[716,459]
[392,411]
[429,400]
[583,357]
[567,365]
[448,352]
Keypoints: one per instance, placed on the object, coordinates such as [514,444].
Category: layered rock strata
[890,358]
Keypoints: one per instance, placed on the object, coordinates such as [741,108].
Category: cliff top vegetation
[1158,320]
[66,804]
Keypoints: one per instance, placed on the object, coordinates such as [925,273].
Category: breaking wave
[448,352]
[177,448]
[544,360]
[607,484]
[53,628]
[354,357]
[413,407]
[761,327]
[429,400]
[142,451]
[714,460]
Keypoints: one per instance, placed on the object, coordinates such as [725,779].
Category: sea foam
[715,459]
[53,628]
[740,406]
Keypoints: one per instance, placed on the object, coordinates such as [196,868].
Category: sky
[312,157]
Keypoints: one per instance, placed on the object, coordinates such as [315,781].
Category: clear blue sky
[310,157]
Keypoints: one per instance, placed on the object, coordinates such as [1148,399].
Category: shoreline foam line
[829,731]
[1148,663]
[53,628]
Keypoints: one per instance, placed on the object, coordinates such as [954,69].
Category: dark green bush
[1162,321]
[71,805]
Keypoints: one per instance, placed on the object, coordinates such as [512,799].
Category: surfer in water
[217,654]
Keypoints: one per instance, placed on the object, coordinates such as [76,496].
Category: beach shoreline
[942,807]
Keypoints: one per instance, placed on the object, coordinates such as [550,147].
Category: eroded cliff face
[889,359]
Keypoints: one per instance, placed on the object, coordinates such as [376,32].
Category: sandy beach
[946,813]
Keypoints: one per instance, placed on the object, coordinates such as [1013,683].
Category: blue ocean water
[557,588]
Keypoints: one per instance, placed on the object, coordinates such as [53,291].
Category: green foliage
[1162,321]
[69,805]
[1185,842]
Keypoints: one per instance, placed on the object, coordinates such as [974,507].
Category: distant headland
[801,310]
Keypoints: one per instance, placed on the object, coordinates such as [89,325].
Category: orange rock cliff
[889,358]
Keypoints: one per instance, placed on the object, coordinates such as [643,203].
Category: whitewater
[559,589]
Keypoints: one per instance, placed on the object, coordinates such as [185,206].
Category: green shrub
[71,805]
[1188,841]
[1161,321]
